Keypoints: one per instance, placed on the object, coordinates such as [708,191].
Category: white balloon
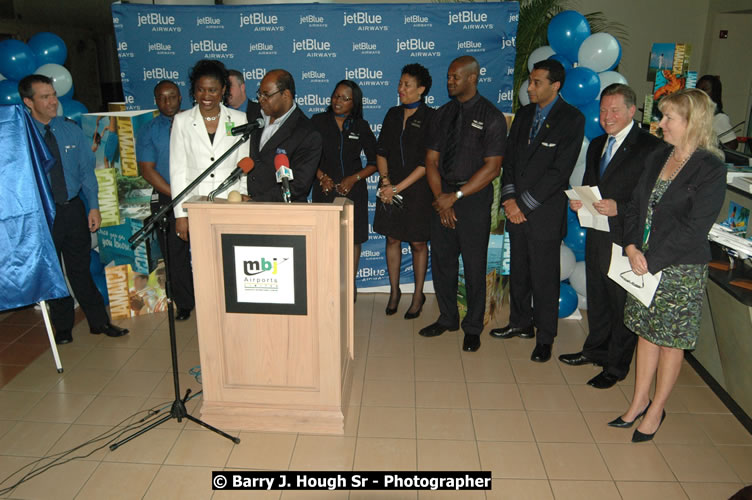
[62,80]
[540,54]
[567,261]
[577,278]
[59,108]
[522,94]
[579,168]
[581,302]
[599,52]
[608,78]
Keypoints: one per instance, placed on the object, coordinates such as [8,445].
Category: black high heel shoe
[389,311]
[639,437]
[409,315]
[623,424]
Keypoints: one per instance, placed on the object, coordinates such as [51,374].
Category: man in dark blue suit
[615,161]
[543,145]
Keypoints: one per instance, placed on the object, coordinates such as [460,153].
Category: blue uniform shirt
[153,145]
[77,158]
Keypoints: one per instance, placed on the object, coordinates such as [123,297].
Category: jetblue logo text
[161,74]
[261,22]
[365,21]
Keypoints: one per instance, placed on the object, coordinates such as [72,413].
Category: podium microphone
[284,173]
[244,166]
[248,127]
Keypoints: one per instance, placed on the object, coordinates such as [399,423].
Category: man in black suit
[543,145]
[286,131]
[615,161]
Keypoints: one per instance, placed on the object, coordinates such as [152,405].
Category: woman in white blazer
[200,135]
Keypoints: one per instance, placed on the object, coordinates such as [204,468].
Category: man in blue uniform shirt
[153,156]
[72,172]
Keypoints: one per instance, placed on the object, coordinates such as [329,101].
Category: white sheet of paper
[641,287]
[588,216]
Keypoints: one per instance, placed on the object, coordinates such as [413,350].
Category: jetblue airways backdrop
[320,45]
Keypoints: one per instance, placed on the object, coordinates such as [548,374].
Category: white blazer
[191,153]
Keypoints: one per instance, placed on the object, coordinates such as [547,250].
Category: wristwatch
[459,194]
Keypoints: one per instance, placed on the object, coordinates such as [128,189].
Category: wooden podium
[266,365]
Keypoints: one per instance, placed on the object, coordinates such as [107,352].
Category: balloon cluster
[44,54]
[588,59]
[573,289]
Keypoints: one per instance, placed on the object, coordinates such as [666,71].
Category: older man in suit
[543,145]
[615,161]
[286,131]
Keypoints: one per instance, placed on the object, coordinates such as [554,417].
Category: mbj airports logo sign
[265,274]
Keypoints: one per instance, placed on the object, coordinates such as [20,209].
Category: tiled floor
[416,404]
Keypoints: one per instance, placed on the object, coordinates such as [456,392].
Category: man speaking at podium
[287,136]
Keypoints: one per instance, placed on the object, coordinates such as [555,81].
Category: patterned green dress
[673,318]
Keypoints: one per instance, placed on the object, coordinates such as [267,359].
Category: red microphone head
[246,165]
[281,160]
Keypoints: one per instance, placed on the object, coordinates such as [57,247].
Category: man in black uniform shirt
[465,147]
[544,142]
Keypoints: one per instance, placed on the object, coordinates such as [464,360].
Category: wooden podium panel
[267,370]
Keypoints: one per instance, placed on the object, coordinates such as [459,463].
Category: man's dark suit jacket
[620,179]
[302,144]
[543,167]
[683,216]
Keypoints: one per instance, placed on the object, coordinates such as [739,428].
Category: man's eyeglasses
[341,98]
[263,95]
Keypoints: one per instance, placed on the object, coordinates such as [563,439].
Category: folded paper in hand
[642,287]
[587,214]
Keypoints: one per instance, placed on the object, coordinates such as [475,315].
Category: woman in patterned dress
[673,207]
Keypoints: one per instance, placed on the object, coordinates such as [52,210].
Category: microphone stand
[178,410]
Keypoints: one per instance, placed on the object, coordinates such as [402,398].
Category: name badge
[416,123]
[228,127]
[69,147]
[477,124]
[353,136]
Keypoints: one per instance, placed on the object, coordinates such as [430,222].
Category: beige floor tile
[59,407]
[67,478]
[592,399]
[15,404]
[511,460]
[160,339]
[355,396]
[574,461]
[440,495]
[634,490]
[390,347]
[528,372]
[165,388]
[740,459]
[698,399]
[441,394]
[490,348]
[578,490]
[35,379]
[187,360]
[502,425]
[385,454]
[323,453]
[262,450]
[200,449]
[106,359]
[636,462]
[150,360]
[32,439]
[685,428]
[5,426]
[480,369]
[149,448]
[578,375]
[390,369]
[722,429]
[386,422]
[111,410]
[439,369]
[559,427]
[70,356]
[520,489]
[132,383]
[115,481]
[485,396]
[352,419]
[547,397]
[13,469]
[519,348]
[705,491]
[376,494]
[388,393]
[83,442]
[598,424]
[133,340]
[444,347]
[84,381]
[688,376]
[439,454]
[436,423]
[697,463]
[179,482]
[306,495]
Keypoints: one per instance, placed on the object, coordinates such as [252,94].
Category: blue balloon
[581,86]
[567,300]
[575,238]
[566,32]
[9,92]
[100,280]
[564,62]
[16,59]
[592,112]
[73,109]
[48,48]
[95,266]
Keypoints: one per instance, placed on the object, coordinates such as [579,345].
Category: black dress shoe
[639,437]
[623,424]
[435,329]
[471,343]
[413,315]
[577,359]
[604,380]
[63,337]
[183,314]
[110,330]
[391,310]
[541,353]
[509,331]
